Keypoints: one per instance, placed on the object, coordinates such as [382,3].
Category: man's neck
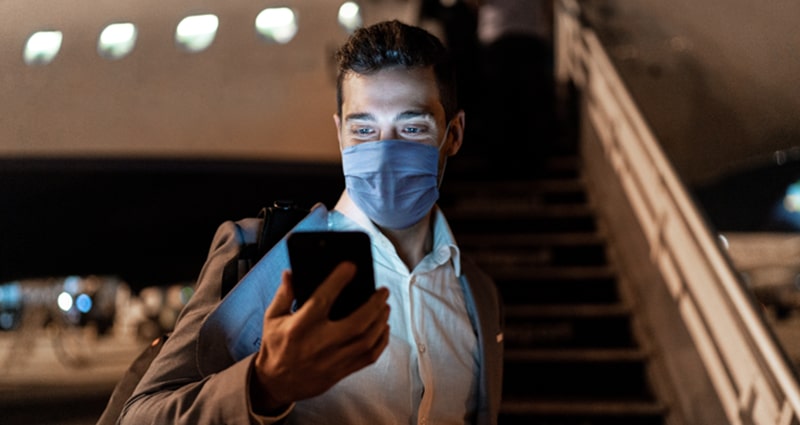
[413,243]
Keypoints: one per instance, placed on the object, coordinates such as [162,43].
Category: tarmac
[40,385]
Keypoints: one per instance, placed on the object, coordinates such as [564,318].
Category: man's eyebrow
[413,114]
[366,116]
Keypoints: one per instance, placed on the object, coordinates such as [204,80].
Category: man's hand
[304,354]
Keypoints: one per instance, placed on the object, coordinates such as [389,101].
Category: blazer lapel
[483,308]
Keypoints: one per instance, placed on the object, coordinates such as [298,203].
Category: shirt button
[421,348]
[423,421]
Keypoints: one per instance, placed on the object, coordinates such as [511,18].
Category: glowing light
[71,284]
[780,157]
[277,24]
[6,320]
[791,202]
[42,47]
[186,294]
[10,295]
[117,40]
[64,301]
[83,303]
[196,33]
[350,16]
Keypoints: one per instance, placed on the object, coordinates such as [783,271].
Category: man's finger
[281,304]
[374,302]
[366,351]
[363,317]
[323,297]
[367,329]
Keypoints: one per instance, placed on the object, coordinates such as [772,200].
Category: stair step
[531,240]
[587,311]
[574,255]
[581,412]
[563,165]
[511,207]
[499,220]
[490,168]
[555,288]
[514,208]
[596,355]
[568,326]
[555,249]
[513,187]
[535,274]
[551,191]
[582,373]
[582,407]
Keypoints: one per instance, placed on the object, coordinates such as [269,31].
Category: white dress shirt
[428,374]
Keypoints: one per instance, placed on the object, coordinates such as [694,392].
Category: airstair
[572,353]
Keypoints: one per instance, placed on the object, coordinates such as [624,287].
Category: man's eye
[415,130]
[363,131]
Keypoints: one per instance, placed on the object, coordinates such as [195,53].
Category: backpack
[276,221]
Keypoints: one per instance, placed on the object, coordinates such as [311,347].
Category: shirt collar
[443,239]
[349,209]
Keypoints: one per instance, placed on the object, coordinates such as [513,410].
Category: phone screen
[313,255]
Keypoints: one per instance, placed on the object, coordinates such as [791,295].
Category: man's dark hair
[393,43]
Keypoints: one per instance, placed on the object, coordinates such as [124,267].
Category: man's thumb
[282,301]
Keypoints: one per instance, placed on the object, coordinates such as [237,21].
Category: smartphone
[314,255]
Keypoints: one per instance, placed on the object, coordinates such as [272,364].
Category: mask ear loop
[444,164]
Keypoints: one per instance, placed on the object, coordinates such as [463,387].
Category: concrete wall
[719,80]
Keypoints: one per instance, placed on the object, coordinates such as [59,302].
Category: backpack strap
[125,386]
[276,221]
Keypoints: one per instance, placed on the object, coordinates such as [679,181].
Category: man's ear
[456,133]
[338,122]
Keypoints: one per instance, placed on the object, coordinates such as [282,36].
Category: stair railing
[747,368]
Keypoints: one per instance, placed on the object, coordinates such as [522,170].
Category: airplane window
[791,202]
[350,16]
[42,47]
[64,301]
[196,33]
[117,40]
[10,305]
[277,24]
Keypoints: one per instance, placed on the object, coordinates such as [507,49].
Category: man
[427,347]
[516,43]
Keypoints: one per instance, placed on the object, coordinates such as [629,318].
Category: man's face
[395,103]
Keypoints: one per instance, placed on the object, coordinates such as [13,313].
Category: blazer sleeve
[173,390]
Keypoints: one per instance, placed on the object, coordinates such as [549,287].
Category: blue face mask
[395,182]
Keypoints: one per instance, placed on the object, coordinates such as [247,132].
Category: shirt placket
[422,352]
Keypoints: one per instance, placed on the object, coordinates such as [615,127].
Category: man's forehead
[406,92]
